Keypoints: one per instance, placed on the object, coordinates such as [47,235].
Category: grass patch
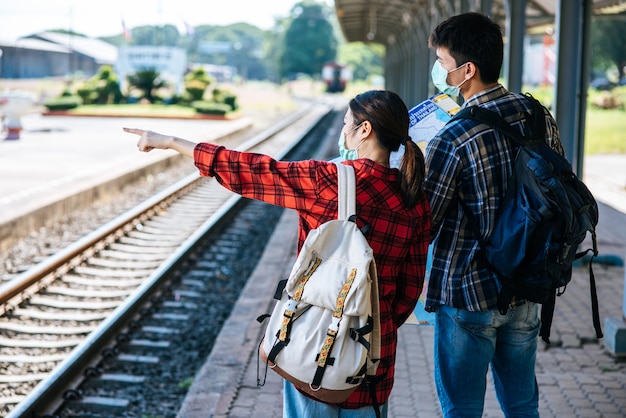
[605,131]
[604,128]
[137,110]
[186,384]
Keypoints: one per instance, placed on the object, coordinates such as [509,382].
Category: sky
[24,17]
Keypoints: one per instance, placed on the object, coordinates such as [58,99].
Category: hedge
[63,103]
[211,108]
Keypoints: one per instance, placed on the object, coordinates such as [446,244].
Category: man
[470,161]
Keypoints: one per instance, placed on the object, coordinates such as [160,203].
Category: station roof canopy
[383,21]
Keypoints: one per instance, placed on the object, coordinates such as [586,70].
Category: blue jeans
[296,405]
[467,343]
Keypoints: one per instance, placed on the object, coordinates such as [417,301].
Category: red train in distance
[336,77]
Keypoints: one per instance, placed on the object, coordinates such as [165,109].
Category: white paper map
[419,315]
[425,120]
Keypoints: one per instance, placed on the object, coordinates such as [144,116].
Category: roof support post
[486,7]
[392,72]
[408,67]
[515,32]
[422,63]
[573,23]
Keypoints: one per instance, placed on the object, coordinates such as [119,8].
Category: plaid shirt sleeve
[258,176]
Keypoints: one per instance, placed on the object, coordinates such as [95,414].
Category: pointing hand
[150,140]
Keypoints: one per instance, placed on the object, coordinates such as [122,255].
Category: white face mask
[440,79]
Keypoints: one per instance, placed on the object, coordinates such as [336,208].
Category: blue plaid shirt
[471,161]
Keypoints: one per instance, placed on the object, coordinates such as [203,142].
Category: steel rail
[45,395]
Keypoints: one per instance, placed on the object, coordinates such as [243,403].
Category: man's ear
[470,69]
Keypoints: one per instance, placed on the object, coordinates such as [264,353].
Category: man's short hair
[472,37]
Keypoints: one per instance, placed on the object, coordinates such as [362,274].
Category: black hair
[472,37]
[389,117]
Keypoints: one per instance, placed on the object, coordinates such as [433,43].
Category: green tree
[166,35]
[242,48]
[147,81]
[273,48]
[301,42]
[309,40]
[609,43]
[365,60]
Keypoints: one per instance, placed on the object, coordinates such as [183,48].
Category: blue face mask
[440,79]
[348,154]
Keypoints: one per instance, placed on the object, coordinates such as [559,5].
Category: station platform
[60,164]
[577,375]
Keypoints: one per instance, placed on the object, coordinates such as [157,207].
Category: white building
[169,62]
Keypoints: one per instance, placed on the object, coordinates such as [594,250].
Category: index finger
[134,131]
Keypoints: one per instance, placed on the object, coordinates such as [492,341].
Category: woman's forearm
[183,146]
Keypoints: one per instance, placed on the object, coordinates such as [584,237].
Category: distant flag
[127,34]
[189,29]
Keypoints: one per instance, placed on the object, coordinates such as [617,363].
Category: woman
[390,200]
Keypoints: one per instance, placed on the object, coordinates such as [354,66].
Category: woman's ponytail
[412,173]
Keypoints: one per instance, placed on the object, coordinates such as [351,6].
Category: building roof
[385,21]
[102,52]
[34,44]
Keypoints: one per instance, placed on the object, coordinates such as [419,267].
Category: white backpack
[324,332]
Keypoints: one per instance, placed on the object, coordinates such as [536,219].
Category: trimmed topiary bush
[210,108]
[231,100]
[63,103]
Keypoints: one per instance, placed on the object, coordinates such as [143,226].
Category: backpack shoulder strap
[346,186]
[491,118]
[536,121]
[347,210]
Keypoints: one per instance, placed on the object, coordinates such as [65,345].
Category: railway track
[89,330]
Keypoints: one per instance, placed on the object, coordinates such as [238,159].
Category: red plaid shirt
[399,235]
